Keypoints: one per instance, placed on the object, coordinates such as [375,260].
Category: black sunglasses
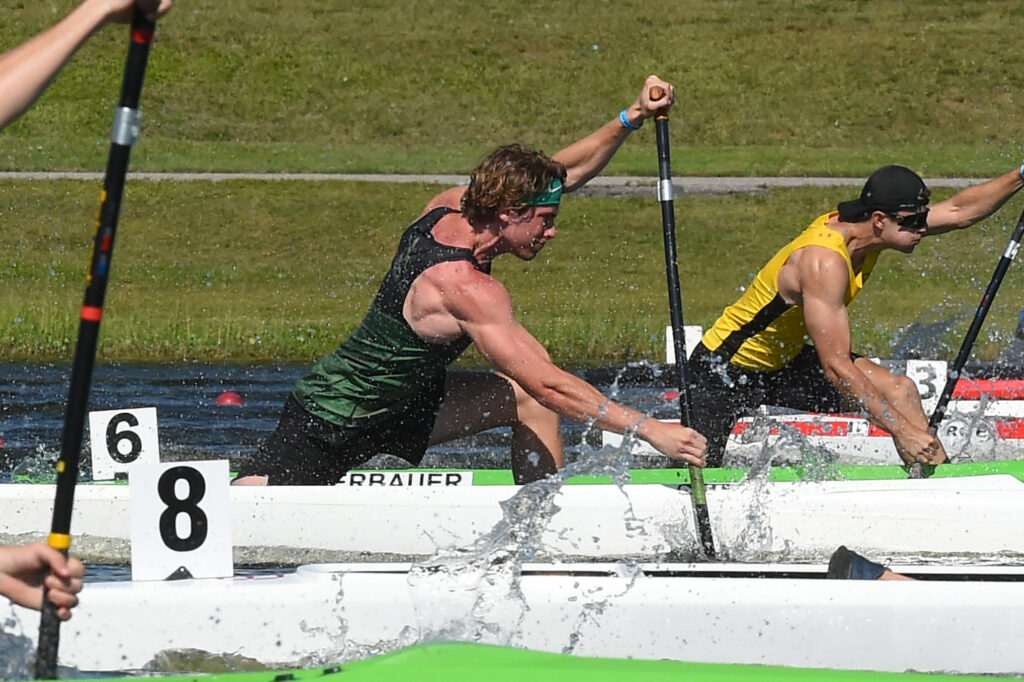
[915,220]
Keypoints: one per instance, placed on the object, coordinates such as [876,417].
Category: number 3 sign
[120,438]
[930,378]
[181,520]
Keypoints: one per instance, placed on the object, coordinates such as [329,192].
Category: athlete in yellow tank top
[762,331]
[757,352]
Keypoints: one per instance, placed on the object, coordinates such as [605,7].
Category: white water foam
[472,593]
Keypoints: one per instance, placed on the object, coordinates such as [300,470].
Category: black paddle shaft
[124,135]
[675,297]
[953,373]
[668,222]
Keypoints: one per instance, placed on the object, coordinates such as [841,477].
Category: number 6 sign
[180,520]
[120,438]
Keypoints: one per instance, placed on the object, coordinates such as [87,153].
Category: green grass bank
[281,271]
[771,87]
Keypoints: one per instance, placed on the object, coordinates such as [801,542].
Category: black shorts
[722,393]
[308,450]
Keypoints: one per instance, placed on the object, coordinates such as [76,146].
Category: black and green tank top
[384,366]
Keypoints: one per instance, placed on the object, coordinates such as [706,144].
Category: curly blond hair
[510,176]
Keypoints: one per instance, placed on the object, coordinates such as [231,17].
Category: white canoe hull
[329,614]
[952,517]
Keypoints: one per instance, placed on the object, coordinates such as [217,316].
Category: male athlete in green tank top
[387,389]
[757,352]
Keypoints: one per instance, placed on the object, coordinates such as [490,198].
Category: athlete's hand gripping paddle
[668,222]
[124,134]
[917,469]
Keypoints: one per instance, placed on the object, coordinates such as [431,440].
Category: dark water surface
[192,426]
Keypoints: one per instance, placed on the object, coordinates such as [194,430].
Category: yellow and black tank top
[761,331]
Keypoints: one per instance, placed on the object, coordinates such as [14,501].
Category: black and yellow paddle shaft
[953,372]
[668,222]
[125,133]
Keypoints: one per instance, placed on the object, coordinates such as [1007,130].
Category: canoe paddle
[668,223]
[953,373]
[124,134]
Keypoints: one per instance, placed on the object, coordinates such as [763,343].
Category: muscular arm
[587,157]
[823,278]
[973,204]
[27,70]
[480,307]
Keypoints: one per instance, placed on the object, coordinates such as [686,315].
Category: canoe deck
[955,519]
[331,614]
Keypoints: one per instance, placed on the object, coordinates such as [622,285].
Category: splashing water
[971,436]
[473,593]
[924,338]
[595,607]
[38,466]
[16,651]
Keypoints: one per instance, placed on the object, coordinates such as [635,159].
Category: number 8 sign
[180,520]
[122,437]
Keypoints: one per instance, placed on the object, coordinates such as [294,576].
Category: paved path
[599,186]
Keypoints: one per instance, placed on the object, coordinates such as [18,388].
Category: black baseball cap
[889,189]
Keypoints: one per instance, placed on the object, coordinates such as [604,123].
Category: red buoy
[230,398]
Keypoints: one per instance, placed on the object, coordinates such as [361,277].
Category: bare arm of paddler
[587,157]
[971,205]
[817,278]
[451,299]
[26,70]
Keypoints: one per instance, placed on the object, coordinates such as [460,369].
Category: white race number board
[692,334]
[930,378]
[180,520]
[120,438]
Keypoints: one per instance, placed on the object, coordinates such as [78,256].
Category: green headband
[552,196]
